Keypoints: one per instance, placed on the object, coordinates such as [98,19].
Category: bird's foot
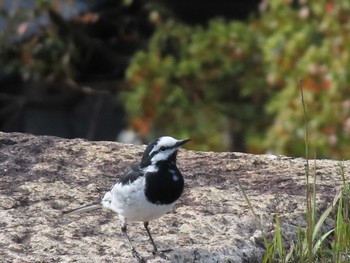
[161,253]
[137,255]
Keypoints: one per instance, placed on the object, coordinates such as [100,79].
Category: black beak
[182,142]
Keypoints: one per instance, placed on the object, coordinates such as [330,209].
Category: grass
[312,245]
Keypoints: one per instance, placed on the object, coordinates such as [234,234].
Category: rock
[42,176]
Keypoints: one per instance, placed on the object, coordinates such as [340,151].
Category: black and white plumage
[148,191]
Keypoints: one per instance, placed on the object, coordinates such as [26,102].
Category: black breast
[164,186]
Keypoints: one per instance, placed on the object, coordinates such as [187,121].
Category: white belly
[131,203]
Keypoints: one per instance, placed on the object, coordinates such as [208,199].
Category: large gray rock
[42,176]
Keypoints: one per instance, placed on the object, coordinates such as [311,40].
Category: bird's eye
[162,148]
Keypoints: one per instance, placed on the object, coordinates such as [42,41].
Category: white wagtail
[148,191]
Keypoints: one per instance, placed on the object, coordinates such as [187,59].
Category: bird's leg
[133,250]
[155,249]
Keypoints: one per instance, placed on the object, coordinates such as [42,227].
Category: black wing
[132,175]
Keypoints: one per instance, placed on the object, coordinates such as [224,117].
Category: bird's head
[162,149]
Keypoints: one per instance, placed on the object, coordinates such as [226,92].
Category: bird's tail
[82,209]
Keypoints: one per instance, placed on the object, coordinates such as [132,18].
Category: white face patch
[165,141]
[164,155]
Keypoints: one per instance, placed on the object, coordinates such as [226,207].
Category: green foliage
[197,82]
[311,245]
[227,85]
[238,77]
[308,40]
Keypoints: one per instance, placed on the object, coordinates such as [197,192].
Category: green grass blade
[279,238]
[339,229]
[309,211]
[270,252]
[314,207]
[320,222]
[320,241]
[290,253]
[253,211]
[340,220]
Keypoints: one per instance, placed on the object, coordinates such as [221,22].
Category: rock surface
[42,176]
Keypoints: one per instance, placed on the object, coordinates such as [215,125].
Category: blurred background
[224,73]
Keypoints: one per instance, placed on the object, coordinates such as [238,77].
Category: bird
[147,191]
